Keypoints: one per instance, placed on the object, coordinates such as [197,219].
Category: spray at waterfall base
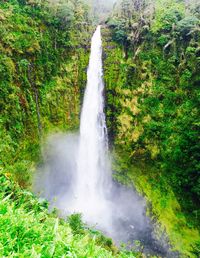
[122,215]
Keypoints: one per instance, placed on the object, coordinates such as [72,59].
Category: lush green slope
[27,229]
[43,59]
[152,77]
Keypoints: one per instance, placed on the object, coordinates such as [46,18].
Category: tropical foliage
[156,88]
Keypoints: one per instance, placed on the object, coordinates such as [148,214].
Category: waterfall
[76,174]
[92,175]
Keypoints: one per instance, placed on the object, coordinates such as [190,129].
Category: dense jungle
[151,74]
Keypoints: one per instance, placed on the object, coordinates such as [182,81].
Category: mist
[101,9]
[124,216]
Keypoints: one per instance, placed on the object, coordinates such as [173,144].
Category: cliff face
[43,62]
[152,79]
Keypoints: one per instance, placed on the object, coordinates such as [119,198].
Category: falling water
[92,166]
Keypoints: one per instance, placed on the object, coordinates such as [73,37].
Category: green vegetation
[152,70]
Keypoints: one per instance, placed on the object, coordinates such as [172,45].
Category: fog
[101,8]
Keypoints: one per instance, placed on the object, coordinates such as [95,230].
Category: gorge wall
[151,64]
[43,62]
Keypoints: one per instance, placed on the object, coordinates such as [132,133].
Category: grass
[163,206]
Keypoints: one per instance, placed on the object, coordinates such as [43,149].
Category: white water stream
[93,177]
